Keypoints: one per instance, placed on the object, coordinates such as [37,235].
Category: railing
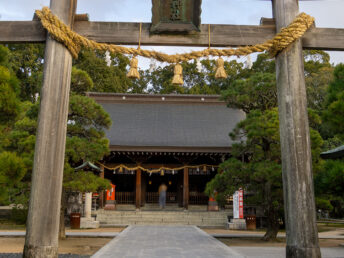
[153,197]
[125,197]
[198,198]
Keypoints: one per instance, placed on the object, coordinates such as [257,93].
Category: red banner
[110,194]
[241,204]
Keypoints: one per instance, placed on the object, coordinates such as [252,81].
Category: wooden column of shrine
[102,193]
[186,189]
[138,189]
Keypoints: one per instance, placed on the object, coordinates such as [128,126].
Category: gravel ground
[18,255]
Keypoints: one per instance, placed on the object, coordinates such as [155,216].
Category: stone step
[159,218]
[214,213]
[219,225]
[181,214]
[163,219]
[199,218]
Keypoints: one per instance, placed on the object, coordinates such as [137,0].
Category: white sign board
[238,204]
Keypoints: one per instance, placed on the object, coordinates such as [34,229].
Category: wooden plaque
[176,16]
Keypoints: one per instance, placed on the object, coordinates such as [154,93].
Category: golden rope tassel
[133,72]
[121,169]
[178,75]
[220,70]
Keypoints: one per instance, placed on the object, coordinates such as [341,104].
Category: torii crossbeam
[43,219]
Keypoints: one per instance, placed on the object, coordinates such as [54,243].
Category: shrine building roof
[335,153]
[168,123]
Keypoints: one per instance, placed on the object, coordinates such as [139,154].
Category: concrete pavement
[165,241]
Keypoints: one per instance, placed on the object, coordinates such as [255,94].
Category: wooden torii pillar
[299,203]
[45,197]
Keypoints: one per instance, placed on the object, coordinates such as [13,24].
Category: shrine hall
[178,140]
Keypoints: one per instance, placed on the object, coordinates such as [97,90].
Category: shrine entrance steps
[155,207]
[162,217]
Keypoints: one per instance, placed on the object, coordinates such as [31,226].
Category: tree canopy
[256,162]
[19,113]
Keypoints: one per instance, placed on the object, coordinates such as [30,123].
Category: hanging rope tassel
[178,75]
[220,70]
[133,72]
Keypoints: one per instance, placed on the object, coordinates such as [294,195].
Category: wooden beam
[45,197]
[82,17]
[299,203]
[123,33]
[22,32]
[77,17]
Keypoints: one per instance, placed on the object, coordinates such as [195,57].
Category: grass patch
[324,227]
[10,225]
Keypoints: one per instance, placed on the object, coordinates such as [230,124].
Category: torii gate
[43,219]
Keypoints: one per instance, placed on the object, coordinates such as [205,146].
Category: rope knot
[291,33]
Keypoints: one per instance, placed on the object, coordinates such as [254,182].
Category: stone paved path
[165,241]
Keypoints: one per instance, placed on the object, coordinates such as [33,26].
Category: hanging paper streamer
[133,72]
[107,58]
[152,66]
[198,66]
[248,62]
[178,75]
[220,70]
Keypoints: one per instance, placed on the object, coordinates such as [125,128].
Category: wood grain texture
[301,228]
[122,33]
[102,193]
[138,189]
[45,198]
[186,188]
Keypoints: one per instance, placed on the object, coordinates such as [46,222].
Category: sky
[328,13]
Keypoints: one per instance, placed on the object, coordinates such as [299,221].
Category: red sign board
[241,204]
[238,204]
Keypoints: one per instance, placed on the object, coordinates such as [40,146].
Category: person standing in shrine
[162,195]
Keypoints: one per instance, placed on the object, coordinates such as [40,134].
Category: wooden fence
[198,198]
[125,197]
[153,197]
